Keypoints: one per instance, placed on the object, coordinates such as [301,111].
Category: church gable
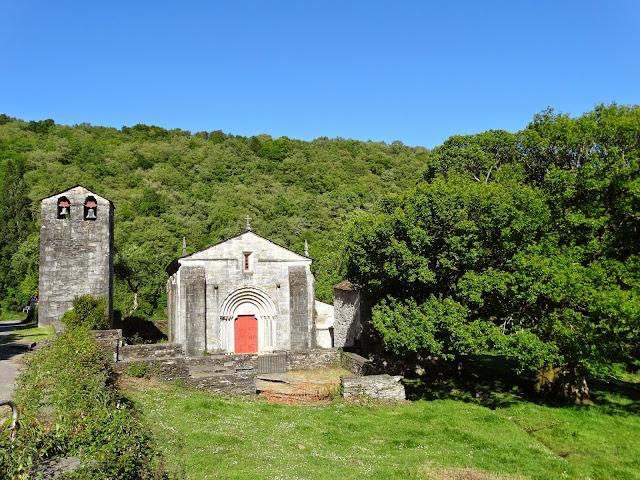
[78,192]
[248,243]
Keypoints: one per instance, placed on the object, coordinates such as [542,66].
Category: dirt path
[9,362]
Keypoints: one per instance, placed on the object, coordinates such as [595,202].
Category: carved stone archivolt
[248,301]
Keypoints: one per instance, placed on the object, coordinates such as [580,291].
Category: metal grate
[272,363]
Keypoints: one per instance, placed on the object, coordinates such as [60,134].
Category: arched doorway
[247,321]
[245,334]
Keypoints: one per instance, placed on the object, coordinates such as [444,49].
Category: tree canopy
[524,244]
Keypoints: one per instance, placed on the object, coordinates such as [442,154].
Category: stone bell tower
[76,252]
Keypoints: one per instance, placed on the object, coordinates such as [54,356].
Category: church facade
[243,295]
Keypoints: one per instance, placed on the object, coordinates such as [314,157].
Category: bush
[88,312]
[138,371]
[70,408]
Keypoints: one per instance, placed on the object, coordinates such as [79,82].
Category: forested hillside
[166,184]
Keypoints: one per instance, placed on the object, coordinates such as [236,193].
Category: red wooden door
[246,334]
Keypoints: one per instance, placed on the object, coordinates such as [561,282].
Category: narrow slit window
[64,208]
[246,262]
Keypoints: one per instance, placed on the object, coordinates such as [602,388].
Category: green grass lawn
[25,332]
[12,316]
[448,438]
[29,334]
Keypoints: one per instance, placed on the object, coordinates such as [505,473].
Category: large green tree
[525,244]
[457,267]
[438,264]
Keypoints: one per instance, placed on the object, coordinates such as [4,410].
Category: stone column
[299,308]
[195,310]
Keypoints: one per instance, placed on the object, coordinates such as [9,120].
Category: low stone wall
[150,352]
[224,362]
[355,363]
[242,382]
[231,374]
[110,341]
[228,374]
[311,359]
[379,387]
[167,369]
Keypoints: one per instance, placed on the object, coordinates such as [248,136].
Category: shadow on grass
[493,382]
[486,380]
[615,397]
[14,326]
[20,337]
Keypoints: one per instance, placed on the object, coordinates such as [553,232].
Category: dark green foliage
[4,118]
[443,256]
[151,204]
[276,149]
[534,236]
[89,312]
[42,126]
[16,222]
[217,137]
[480,156]
[439,233]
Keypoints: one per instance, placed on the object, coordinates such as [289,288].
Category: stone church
[244,295]
[76,252]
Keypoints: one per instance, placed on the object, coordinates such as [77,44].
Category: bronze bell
[91,214]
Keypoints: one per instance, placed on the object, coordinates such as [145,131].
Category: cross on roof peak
[248,219]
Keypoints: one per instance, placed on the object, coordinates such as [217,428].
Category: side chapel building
[243,295]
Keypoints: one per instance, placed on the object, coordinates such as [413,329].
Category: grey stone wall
[223,362]
[150,352]
[240,382]
[347,324]
[316,358]
[356,364]
[168,369]
[195,309]
[110,341]
[172,309]
[378,387]
[229,374]
[299,301]
[76,255]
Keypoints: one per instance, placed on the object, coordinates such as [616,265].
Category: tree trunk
[565,382]
[135,305]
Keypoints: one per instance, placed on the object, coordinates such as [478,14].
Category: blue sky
[418,72]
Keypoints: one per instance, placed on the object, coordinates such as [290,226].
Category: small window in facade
[90,208]
[246,262]
[64,208]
